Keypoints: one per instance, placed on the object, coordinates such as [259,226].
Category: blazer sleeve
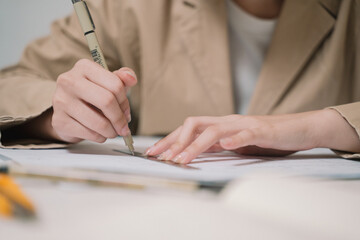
[351,113]
[26,89]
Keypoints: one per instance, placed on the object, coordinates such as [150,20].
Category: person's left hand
[257,135]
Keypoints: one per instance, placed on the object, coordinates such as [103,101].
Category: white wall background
[22,21]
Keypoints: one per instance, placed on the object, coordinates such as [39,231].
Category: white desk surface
[255,208]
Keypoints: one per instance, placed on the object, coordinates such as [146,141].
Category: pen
[88,28]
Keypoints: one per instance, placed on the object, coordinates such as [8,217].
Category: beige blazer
[180,51]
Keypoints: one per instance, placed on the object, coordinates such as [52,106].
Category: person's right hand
[90,103]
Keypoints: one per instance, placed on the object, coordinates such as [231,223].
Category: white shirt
[249,40]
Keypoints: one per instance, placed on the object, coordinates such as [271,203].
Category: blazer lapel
[202,28]
[301,28]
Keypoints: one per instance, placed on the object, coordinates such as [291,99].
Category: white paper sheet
[208,167]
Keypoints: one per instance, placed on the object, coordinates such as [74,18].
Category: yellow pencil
[5,207]
[20,204]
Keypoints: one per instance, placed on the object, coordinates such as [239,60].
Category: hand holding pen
[90,102]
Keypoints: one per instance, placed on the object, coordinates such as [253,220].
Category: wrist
[39,128]
[36,130]
[43,127]
[322,122]
[334,132]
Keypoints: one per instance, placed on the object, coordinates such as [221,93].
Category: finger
[164,143]
[264,137]
[103,78]
[125,107]
[127,76]
[91,118]
[208,138]
[72,131]
[193,126]
[214,148]
[245,137]
[104,101]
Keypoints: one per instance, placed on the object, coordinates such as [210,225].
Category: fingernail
[125,131]
[149,150]
[165,155]
[128,115]
[131,74]
[181,158]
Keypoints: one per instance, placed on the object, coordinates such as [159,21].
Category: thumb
[127,76]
